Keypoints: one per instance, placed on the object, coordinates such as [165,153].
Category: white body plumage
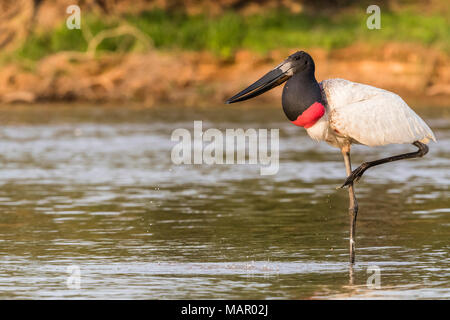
[362,114]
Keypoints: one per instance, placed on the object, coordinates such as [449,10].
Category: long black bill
[267,82]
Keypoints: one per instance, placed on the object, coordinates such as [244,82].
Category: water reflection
[95,187]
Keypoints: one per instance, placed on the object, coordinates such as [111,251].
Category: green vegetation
[223,35]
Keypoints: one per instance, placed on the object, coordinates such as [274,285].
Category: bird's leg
[353,204]
[358,172]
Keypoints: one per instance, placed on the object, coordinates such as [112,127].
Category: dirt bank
[191,78]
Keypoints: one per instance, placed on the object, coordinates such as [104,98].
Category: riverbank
[419,74]
[154,56]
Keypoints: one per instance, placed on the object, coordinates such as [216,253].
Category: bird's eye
[306,62]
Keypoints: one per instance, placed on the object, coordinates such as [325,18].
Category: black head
[297,63]
[301,62]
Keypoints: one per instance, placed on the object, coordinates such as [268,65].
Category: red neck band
[310,116]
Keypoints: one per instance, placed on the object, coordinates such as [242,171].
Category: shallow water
[95,188]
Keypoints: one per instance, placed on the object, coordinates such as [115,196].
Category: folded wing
[372,116]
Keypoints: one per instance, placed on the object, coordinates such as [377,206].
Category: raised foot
[355,175]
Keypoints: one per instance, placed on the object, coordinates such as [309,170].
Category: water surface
[95,187]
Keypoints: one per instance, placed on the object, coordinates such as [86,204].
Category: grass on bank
[231,31]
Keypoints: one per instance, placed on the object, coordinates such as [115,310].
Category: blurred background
[194,52]
[87,181]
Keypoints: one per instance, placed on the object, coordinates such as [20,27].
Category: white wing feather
[372,116]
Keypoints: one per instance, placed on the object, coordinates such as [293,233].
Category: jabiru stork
[342,113]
